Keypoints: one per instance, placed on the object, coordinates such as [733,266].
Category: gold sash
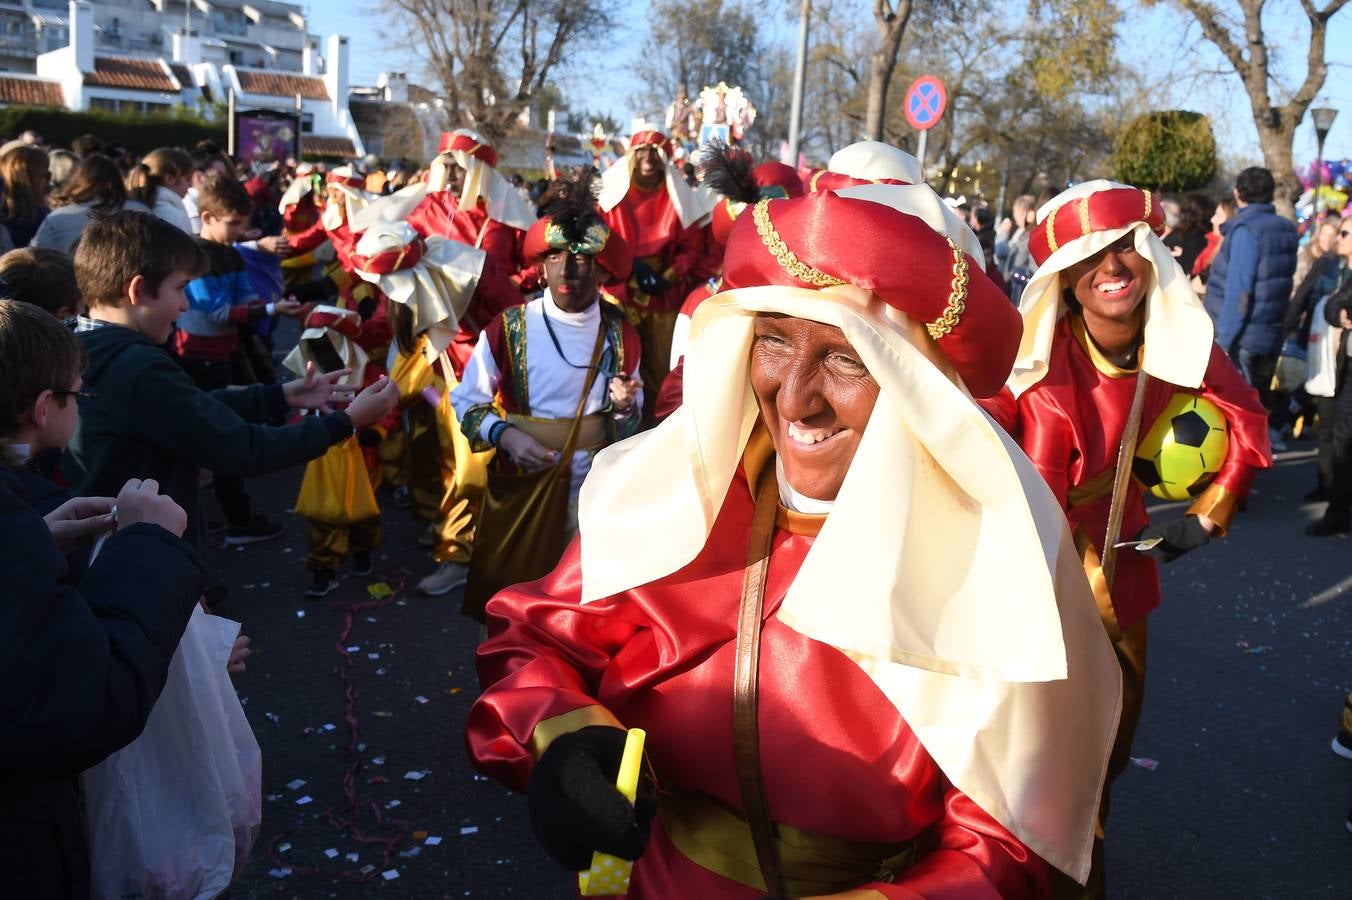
[553,433]
[718,838]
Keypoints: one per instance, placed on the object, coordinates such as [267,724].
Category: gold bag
[336,489]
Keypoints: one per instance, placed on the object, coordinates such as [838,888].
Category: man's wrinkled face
[815,397]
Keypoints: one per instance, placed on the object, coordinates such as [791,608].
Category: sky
[1153,37]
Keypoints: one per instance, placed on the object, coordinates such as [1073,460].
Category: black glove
[1179,536]
[575,809]
[368,437]
[319,291]
[648,281]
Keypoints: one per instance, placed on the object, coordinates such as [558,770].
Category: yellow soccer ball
[1183,450]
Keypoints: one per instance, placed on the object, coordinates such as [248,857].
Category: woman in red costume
[936,698]
[1106,304]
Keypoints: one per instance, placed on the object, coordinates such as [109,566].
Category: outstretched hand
[79,519]
[318,389]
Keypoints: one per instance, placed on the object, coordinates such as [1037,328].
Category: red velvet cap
[610,250]
[347,326]
[823,239]
[825,180]
[344,175]
[457,140]
[1100,211]
[652,137]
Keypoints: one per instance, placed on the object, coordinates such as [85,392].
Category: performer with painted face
[843,606]
[646,201]
[1111,334]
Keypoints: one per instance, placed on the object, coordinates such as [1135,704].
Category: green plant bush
[137,133]
[1173,150]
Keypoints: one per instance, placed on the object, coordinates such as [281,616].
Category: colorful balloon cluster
[1330,196]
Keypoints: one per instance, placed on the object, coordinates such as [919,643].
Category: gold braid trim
[783,255]
[957,298]
[1051,230]
[1147,202]
[1084,217]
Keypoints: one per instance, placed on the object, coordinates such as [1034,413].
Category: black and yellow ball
[1183,450]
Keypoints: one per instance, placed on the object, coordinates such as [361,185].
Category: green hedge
[135,133]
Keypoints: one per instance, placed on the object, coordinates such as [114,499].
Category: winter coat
[1250,285]
[82,669]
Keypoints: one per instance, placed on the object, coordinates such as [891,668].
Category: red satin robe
[440,213]
[837,759]
[1070,424]
[648,222]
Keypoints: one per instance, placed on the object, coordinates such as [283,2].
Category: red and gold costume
[664,229]
[660,658]
[920,726]
[1067,405]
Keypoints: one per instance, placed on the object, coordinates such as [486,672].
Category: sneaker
[1326,526]
[402,498]
[361,564]
[429,537]
[259,529]
[445,579]
[323,584]
[1342,745]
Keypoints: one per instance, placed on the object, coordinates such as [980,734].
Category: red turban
[599,241]
[651,138]
[824,239]
[1100,211]
[457,140]
[776,182]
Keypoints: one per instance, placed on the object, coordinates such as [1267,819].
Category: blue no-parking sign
[925,102]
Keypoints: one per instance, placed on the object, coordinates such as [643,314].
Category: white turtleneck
[799,503]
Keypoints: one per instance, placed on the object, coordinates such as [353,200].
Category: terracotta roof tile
[30,92]
[130,73]
[324,145]
[280,84]
[184,76]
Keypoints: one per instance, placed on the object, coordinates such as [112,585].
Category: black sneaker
[259,529]
[1325,527]
[361,564]
[323,584]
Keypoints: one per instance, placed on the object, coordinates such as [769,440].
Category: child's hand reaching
[317,390]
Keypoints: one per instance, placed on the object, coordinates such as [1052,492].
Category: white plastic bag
[1321,355]
[175,813]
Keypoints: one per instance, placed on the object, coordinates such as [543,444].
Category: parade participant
[829,506]
[530,392]
[646,201]
[864,162]
[337,494]
[434,286]
[469,201]
[1109,318]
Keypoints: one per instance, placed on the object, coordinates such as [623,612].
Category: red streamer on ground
[349,818]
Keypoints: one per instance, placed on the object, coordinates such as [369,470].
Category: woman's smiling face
[1112,283]
[815,397]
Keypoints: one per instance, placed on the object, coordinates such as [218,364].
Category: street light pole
[1323,121]
[799,76]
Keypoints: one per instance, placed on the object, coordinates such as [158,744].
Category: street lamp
[1323,120]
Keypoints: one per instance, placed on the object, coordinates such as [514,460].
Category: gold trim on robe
[547,730]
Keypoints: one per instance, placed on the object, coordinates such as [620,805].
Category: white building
[80,75]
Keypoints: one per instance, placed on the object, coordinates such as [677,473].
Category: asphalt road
[1249,662]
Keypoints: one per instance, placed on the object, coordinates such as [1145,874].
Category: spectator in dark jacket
[148,418]
[81,666]
[1250,285]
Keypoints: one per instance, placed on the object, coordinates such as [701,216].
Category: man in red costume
[827,505]
[647,202]
[468,201]
[1107,307]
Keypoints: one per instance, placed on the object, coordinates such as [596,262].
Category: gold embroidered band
[957,297]
[1051,230]
[1085,227]
[783,255]
[1147,203]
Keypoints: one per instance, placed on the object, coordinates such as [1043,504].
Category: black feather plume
[574,208]
[730,171]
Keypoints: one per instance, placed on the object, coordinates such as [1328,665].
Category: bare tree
[695,44]
[492,57]
[890,20]
[1246,47]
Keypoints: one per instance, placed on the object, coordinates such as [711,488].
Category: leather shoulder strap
[745,698]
